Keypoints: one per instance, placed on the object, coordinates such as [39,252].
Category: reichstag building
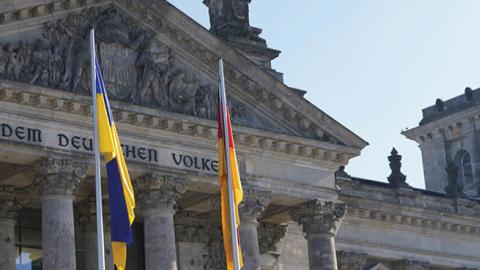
[301,209]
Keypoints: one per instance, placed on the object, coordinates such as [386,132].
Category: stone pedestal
[10,202]
[350,260]
[157,196]
[57,181]
[253,204]
[320,221]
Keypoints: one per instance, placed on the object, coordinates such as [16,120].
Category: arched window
[465,166]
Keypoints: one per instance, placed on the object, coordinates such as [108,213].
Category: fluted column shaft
[320,221]
[7,244]
[57,181]
[254,203]
[88,219]
[157,197]
[9,204]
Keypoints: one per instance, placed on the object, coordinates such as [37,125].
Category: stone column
[192,236]
[269,236]
[351,260]
[215,258]
[411,265]
[87,213]
[11,200]
[57,181]
[320,221]
[253,204]
[157,196]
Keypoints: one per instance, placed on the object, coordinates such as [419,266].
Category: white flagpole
[231,199]
[98,179]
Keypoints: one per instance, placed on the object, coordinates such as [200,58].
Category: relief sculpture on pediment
[137,68]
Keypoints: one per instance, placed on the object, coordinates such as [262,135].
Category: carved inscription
[21,133]
[133,152]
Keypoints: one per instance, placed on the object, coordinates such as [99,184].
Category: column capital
[159,192]
[409,264]
[56,176]
[86,212]
[269,235]
[11,200]
[254,203]
[351,260]
[319,217]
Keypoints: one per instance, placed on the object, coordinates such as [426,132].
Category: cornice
[80,106]
[448,126]
[414,221]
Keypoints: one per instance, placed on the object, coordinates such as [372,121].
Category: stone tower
[449,134]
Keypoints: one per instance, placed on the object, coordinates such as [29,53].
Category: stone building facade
[300,211]
[448,135]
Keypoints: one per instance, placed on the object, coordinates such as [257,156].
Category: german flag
[227,156]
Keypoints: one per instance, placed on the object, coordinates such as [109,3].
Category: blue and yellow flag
[121,197]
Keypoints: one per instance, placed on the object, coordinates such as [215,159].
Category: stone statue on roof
[229,17]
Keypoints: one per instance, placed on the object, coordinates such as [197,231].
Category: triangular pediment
[142,66]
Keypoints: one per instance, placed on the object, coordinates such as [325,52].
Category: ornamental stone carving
[137,68]
[191,227]
[156,191]
[411,265]
[270,235]
[55,176]
[319,217]
[86,214]
[11,200]
[396,178]
[350,260]
[254,203]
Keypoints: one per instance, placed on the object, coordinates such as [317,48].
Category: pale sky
[371,64]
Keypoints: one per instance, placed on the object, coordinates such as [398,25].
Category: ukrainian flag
[121,198]
[223,173]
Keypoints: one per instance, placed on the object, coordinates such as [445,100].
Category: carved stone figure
[56,66]
[12,66]
[205,102]
[153,64]
[40,63]
[182,91]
